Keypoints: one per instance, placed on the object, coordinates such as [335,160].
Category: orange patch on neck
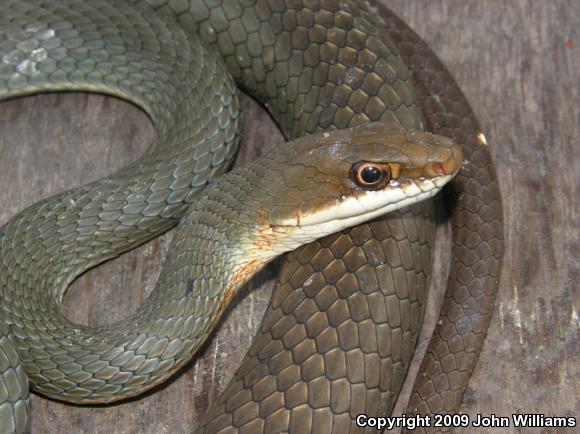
[241,275]
[245,271]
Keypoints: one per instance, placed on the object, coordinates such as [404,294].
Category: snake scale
[342,323]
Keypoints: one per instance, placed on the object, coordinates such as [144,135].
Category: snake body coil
[342,324]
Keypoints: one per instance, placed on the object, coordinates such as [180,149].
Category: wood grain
[516,60]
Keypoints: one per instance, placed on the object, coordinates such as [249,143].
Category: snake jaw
[272,240]
[368,205]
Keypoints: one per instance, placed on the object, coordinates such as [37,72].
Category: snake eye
[369,175]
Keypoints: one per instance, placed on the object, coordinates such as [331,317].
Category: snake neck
[233,237]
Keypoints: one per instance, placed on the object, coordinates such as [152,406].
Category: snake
[374,118]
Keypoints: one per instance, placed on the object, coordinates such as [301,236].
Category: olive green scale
[342,325]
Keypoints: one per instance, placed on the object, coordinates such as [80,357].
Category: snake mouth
[346,213]
[366,205]
[354,209]
[270,240]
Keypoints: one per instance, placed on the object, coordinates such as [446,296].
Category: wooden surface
[518,62]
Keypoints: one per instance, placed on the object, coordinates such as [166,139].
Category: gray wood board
[518,63]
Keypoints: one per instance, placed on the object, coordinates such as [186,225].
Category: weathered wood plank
[515,62]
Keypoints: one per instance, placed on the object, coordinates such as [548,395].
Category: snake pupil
[370,174]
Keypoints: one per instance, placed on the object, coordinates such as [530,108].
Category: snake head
[327,182]
[335,180]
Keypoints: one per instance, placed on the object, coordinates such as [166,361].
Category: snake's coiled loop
[342,324]
[135,54]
